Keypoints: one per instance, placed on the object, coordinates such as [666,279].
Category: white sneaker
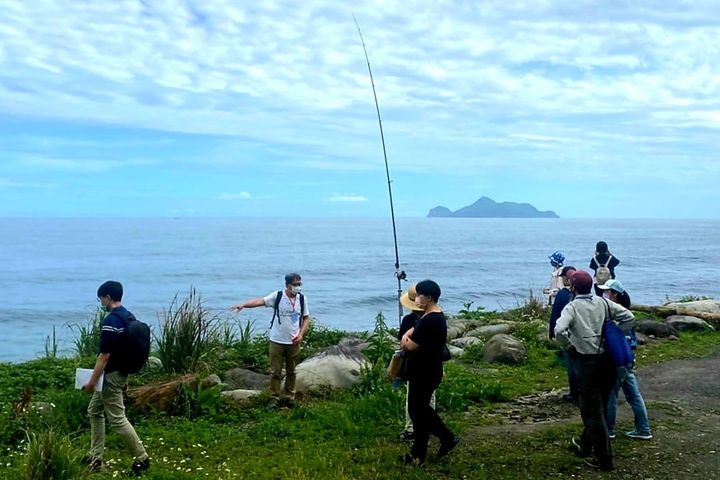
[640,436]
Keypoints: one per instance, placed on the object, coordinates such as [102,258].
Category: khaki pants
[109,403]
[283,354]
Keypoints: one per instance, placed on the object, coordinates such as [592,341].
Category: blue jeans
[627,380]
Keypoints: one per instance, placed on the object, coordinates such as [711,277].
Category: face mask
[295,289]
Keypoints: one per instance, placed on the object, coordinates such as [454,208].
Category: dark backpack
[276,305]
[135,344]
[617,348]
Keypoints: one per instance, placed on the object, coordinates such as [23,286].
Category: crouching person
[115,360]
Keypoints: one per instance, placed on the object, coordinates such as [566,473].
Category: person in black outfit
[602,254]
[424,344]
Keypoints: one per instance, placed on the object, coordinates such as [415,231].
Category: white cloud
[348,197]
[236,196]
[8,184]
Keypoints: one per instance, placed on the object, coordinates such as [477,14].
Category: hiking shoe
[568,398]
[94,464]
[577,448]
[407,436]
[639,435]
[605,467]
[446,448]
[139,467]
[408,459]
[611,435]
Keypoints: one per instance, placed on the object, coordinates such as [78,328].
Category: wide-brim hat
[407,299]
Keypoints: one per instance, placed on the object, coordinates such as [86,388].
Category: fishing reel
[401,275]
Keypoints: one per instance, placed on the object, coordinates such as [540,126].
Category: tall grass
[51,345]
[87,342]
[187,333]
[51,456]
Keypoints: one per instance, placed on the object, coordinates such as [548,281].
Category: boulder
[334,367]
[642,339]
[246,379]
[455,331]
[503,348]
[655,328]
[210,381]
[241,395]
[698,306]
[153,363]
[464,342]
[354,342]
[686,322]
[487,331]
[455,352]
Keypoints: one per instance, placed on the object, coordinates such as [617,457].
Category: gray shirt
[580,323]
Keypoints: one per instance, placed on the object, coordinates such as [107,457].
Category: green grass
[340,435]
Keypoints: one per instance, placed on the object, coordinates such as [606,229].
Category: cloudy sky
[232,108]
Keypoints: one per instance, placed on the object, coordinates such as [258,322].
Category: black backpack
[135,344]
[276,305]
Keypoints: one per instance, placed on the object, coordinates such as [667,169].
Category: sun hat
[613,284]
[557,257]
[407,299]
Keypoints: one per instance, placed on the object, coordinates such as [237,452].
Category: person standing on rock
[603,264]
[409,321]
[112,361]
[425,344]
[564,297]
[290,322]
[580,328]
[614,291]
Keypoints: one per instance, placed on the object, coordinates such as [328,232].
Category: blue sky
[227,108]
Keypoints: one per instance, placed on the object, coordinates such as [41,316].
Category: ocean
[50,268]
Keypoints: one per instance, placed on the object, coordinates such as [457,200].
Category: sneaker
[577,448]
[94,464]
[605,467]
[611,435]
[139,467]
[407,436]
[640,436]
[408,459]
[446,448]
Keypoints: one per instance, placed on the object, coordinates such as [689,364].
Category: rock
[456,352]
[210,381]
[161,396]
[354,342]
[241,395]
[688,323]
[642,339]
[488,331]
[247,379]
[503,348]
[655,328]
[464,342]
[688,308]
[455,331]
[154,363]
[334,367]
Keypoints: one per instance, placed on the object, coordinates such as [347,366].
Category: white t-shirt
[287,325]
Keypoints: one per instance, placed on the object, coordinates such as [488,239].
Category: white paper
[82,376]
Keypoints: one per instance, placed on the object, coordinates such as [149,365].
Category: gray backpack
[603,274]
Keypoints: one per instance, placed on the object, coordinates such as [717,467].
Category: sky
[171,108]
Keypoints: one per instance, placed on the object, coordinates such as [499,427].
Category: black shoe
[605,467]
[568,398]
[408,459]
[446,448]
[407,436]
[139,467]
[577,448]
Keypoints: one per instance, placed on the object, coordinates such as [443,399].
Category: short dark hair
[601,247]
[292,277]
[565,270]
[113,289]
[429,289]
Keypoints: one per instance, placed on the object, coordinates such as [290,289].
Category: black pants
[425,419]
[573,374]
[597,377]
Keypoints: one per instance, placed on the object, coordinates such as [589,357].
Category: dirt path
[683,400]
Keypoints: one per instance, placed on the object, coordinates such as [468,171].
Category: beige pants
[287,355]
[109,403]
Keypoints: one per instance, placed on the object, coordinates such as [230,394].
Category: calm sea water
[50,268]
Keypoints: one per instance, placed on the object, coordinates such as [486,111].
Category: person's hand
[237,308]
[297,339]
[89,387]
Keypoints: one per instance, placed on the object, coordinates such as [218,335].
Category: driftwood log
[666,311]
[161,396]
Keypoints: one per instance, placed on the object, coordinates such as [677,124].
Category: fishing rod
[399,274]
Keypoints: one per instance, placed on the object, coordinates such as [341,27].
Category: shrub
[88,341]
[51,456]
[186,334]
[378,353]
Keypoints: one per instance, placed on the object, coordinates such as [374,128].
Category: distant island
[489,208]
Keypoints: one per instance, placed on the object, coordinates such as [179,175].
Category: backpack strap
[276,305]
[302,308]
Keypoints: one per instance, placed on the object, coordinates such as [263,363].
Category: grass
[347,434]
